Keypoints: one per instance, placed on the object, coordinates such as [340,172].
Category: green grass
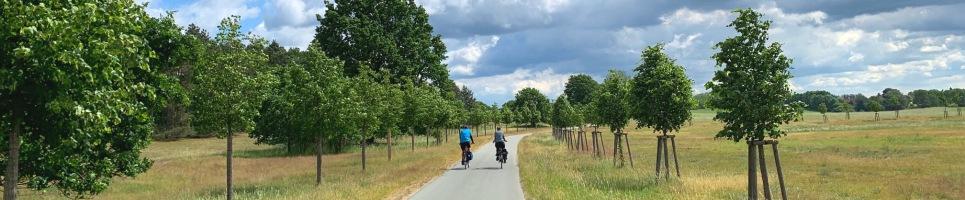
[919,156]
[195,169]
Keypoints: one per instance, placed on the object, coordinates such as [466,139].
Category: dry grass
[195,169]
[921,156]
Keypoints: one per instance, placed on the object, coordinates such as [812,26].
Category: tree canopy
[536,104]
[579,89]
[660,93]
[391,35]
[77,96]
[751,84]
[610,103]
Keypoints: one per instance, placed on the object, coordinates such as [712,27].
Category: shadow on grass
[624,182]
[244,192]
[266,153]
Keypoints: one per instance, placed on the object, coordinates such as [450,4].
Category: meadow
[920,156]
[195,169]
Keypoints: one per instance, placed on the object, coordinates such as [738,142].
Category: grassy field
[920,156]
[195,169]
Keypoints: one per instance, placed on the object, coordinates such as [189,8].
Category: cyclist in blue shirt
[465,138]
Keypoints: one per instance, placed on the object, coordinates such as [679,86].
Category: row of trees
[890,99]
[749,91]
[658,96]
[90,82]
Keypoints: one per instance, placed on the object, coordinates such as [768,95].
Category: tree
[751,87]
[612,106]
[858,101]
[876,107]
[579,89]
[230,86]
[391,35]
[538,104]
[175,54]
[508,116]
[661,98]
[894,100]
[823,109]
[78,113]
[844,106]
[814,98]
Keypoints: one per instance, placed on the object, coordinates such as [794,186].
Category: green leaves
[78,82]
[580,88]
[661,93]
[610,105]
[536,104]
[750,87]
[392,35]
[230,83]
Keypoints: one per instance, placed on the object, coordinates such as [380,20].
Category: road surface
[483,180]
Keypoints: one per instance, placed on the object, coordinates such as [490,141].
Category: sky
[498,47]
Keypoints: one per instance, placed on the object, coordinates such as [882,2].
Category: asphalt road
[483,179]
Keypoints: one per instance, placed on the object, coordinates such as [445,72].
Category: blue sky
[497,47]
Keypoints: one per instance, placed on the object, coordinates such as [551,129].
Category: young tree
[750,88]
[844,106]
[508,117]
[579,89]
[876,107]
[613,108]
[230,86]
[894,100]
[662,99]
[823,109]
[76,98]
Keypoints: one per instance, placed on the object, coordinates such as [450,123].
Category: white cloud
[896,46]
[208,13]
[856,57]
[292,13]
[464,60]
[771,11]
[684,43]
[546,81]
[848,38]
[686,16]
[288,36]
[877,73]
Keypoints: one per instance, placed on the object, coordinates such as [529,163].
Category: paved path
[483,180]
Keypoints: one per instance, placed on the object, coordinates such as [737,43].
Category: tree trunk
[318,160]
[897,116]
[12,174]
[288,147]
[228,154]
[751,171]
[412,135]
[363,154]
[390,145]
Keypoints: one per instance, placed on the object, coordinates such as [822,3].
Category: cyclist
[500,139]
[465,138]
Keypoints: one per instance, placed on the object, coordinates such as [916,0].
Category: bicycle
[501,155]
[466,157]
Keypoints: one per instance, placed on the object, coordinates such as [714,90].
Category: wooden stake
[626,138]
[780,172]
[763,164]
[675,163]
[659,145]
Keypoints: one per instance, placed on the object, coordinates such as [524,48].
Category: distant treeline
[889,99]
